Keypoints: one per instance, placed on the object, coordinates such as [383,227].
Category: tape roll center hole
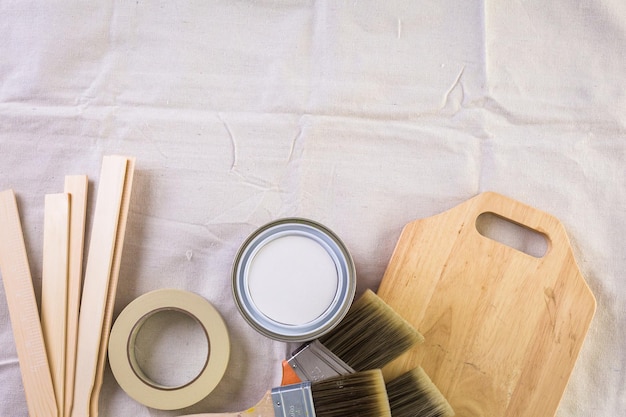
[171,349]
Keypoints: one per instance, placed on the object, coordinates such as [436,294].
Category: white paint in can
[292,280]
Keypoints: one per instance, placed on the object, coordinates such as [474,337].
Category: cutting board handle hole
[515,235]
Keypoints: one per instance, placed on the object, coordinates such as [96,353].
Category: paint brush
[360,394]
[371,335]
[413,394]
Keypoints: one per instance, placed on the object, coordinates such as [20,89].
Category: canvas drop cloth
[361,115]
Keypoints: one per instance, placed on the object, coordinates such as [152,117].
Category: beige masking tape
[122,349]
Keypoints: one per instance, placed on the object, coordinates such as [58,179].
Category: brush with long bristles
[360,394]
[371,335]
[413,394]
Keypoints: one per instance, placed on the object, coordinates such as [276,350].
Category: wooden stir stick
[97,283]
[54,288]
[23,311]
[110,299]
[76,186]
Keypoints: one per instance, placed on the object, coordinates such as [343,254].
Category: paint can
[293,280]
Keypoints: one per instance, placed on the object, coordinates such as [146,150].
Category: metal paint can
[293,280]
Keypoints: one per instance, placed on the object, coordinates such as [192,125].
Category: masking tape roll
[122,349]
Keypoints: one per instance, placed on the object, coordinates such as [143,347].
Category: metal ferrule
[314,362]
[293,400]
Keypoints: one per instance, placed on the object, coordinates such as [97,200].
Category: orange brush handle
[289,375]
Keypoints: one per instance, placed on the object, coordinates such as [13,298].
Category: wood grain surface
[503,328]
[76,186]
[18,285]
[54,289]
[97,280]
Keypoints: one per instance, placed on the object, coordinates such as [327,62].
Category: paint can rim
[346,280]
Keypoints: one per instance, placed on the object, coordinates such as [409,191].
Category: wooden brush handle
[264,408]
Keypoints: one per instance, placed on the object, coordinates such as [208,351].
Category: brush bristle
[361,394]
[371,335]
[413,394]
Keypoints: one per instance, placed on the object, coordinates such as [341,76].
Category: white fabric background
[361,115]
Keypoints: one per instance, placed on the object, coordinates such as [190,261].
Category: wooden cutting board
[502,328]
